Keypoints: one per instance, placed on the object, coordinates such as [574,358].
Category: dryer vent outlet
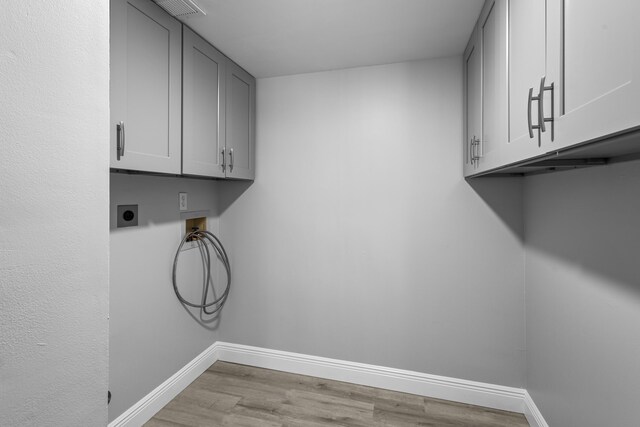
[181,8]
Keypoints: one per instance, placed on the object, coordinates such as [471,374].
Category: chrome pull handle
[230,160]
[529,112]
[475,151]
[471,158]
[532,98]
[119,140]
[474,144]
[541,118]
[541,105]
[224,161]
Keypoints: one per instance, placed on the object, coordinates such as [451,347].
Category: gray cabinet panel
[473,97]
[491,80]
[240,123]
[486,89]
[145,87]
[204,75]
[594,60]
[527,66]
[492,29]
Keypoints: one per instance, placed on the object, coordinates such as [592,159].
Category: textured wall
[360,240]
[152,335]
[54,81]
[583,295]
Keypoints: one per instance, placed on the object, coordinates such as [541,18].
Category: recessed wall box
[193,224]
[127,215]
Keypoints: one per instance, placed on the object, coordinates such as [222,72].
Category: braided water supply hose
[204,239]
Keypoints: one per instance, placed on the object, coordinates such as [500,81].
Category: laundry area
[305,213]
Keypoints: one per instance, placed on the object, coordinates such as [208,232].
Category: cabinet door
[473,101]
[594,60]
[492,28]
[203,101]
[527,66]
[145,87]
[240,122]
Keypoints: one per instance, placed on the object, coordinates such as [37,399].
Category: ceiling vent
[181,8]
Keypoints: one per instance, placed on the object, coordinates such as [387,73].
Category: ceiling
[282,37]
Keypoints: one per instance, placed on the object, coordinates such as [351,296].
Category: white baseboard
[471,392]
[458,390]
[149,405]
[533,414]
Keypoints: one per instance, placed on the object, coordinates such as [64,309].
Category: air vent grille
[181,8]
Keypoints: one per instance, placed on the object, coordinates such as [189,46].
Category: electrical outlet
[182,200]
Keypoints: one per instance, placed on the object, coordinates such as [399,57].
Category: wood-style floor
[236,395]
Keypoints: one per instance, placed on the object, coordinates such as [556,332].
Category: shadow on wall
[589,218]
[209,323]
[156,196]
[498,194]
[229,192]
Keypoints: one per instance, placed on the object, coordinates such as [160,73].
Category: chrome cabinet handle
[119,140]
[474,146]
[532,98]
[475,151]
[529,112]
[541,105]
[224,161]
[541,118]
[230,160]
[470,151]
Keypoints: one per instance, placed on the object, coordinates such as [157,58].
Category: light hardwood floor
[236,395]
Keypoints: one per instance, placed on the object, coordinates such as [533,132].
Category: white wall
[152,335]
[583,295]
[360,240]
[54,85]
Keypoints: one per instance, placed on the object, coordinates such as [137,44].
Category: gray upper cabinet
[473,101]
[492,30]
[567,73]
[145,88]
[486,90]
[204,77]
[594,61]
[218,137]
[527,68]
[178,105]
[240,123]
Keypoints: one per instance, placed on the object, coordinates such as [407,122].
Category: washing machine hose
[204,239]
